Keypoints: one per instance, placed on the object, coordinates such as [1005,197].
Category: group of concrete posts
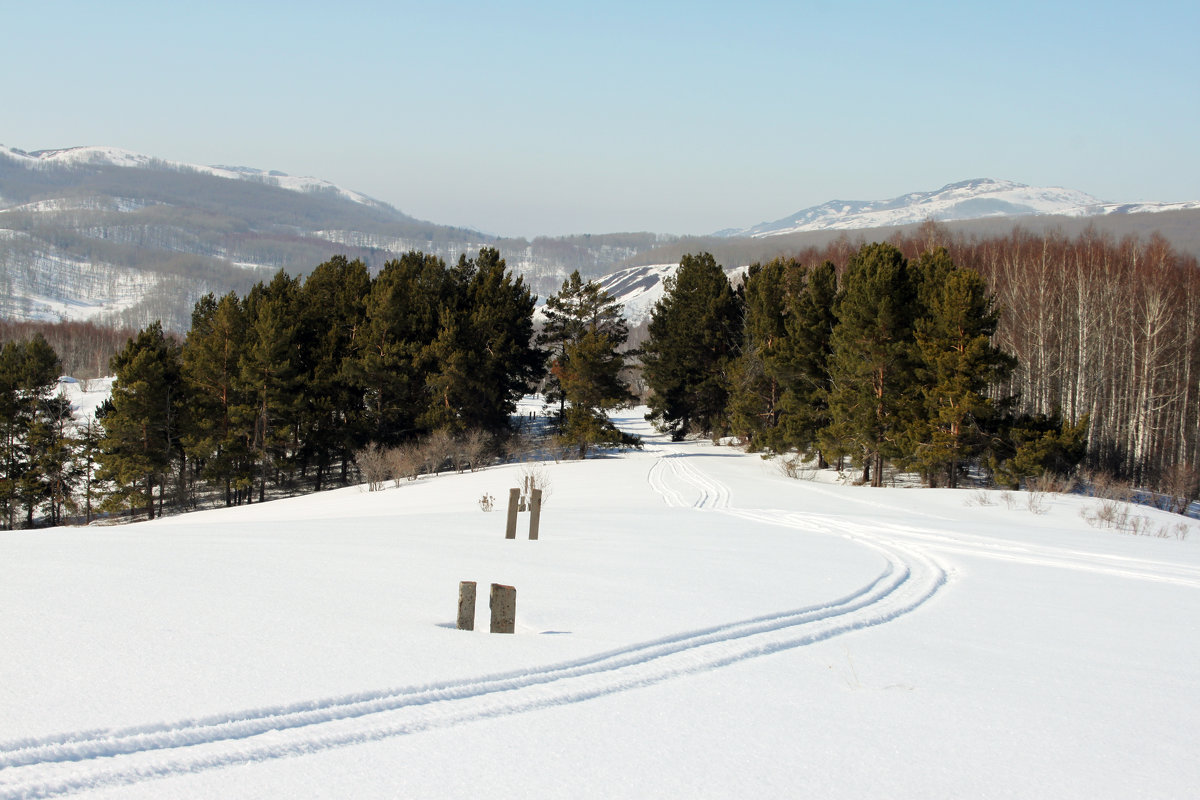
[503,601]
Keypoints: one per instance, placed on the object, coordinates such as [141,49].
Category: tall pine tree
[694,331]
[873,395]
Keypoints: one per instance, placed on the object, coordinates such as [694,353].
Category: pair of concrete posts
[515,504]
[503,604]
[503,601]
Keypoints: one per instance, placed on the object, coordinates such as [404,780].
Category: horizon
[538,120]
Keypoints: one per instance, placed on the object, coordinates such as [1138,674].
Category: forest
[965,361]
[1085,348]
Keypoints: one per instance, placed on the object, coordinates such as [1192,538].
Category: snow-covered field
[690,624]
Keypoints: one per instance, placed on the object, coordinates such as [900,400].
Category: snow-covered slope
[690,624]
[118,157]
[973,199]
[637,289]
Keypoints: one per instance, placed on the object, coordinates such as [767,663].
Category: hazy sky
[550,118]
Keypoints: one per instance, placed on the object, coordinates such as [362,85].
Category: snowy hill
[118,157]
[107,234]
[690,623]
[973,199]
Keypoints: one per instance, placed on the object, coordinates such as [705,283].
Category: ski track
[85,760]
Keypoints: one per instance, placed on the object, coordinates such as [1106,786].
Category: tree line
[1006,358]
[297,384]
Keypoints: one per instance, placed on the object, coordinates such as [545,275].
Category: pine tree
[571,313]
[31,449]
[269,374]
[330,311]
[694,332]
[810,322]
[589,374]
[141,432]
[958,366]
[211,368]
[402,313]
[874,394]
[760,376]
[484,358]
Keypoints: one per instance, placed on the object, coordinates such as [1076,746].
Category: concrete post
[513,496]
[535,512]
[504,608]
[466,605]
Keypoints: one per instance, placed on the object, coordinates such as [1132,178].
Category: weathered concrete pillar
[504,608]
[535,515]
[513,496]
[466,605]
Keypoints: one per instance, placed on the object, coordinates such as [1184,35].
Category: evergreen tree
[484,358]
[53,472]
[761,373]
[694,333]
[402,313]
[268,374]
[958,366]
[330,311]
[211,367]
[577,309]
[1036,445]
[589,374]
[30,451]
[874,394]
[804,406]
[141,431]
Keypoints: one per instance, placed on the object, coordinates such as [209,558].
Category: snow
[85,396]
[973,199]
[690,623]
[119,157]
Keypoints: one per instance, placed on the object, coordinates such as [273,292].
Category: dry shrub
[471,450]
[372,462]
[797,467]
[406,462]
[1181,484]
[980,498]
[438,451]
[534,476]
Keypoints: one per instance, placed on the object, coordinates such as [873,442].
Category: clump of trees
[305,383]
[893,362]
[285,387]
[1009,355]
[37,469]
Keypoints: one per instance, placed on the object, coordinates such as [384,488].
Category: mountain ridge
[976,198]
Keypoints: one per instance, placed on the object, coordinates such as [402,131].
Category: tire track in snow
[80,761]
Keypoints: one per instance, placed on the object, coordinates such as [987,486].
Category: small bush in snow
[796,467]
[487,502]
[372,462]
[980,498]
[533,476]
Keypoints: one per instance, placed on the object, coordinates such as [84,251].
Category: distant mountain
[107,234]
[975,199]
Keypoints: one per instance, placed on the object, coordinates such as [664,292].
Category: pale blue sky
[526,118]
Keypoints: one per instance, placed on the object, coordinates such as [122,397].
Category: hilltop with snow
[973,199]
[118,157]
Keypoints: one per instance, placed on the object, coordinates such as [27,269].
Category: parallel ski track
[79,761]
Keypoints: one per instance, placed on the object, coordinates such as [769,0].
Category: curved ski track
[71,762]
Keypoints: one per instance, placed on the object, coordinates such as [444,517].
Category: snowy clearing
[690,623]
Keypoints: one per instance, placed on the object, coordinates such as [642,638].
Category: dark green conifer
[694,332]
